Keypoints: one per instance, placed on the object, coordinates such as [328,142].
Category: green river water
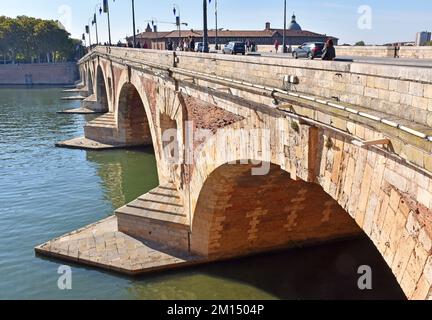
[46,192]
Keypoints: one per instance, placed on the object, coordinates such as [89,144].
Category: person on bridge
[170,45]
[192,44]
[248,45]
[396,51]
[276,44]
[329,52]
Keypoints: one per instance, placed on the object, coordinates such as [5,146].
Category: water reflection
[125,174]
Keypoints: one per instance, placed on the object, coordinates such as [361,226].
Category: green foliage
[360,43]
[26,39]
[428,43]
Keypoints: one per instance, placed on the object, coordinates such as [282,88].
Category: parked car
[310,50]
[234,48]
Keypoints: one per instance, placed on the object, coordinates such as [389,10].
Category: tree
[27,39]
[360,43]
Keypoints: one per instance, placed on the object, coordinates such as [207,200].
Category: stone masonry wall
[240,213]
[383,52]
[390,200]
[402,91]
[370,51]
[391,203]
[396,90]
[154,231]
[42,74]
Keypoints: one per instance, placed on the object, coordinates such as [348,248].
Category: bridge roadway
[422,63]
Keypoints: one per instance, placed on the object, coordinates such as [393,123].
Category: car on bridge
[234,48]
[310,50]
[199,47]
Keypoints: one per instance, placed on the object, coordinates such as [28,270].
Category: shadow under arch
[132,120]
[239,214]
[101,92]
[90,82]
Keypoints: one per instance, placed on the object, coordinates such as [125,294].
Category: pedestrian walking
[248,45]
[396,51]
[170,45]
[329,52]
[276,44]
[192,44]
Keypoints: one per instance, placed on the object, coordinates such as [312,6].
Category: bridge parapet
[405,92]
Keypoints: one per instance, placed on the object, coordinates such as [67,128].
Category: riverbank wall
[39,74]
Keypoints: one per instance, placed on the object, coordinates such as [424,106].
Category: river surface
[46,192]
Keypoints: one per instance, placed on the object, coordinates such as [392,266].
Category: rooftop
[268,32]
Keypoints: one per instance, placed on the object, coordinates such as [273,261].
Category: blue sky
[391,20]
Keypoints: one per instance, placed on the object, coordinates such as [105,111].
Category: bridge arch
[89,82]
[132,119]
[359,183]
[101,91]
[238,213]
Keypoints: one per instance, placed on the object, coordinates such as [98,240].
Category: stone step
[167,216]
[157,216]
[102,121]
[106,121]
[162,204]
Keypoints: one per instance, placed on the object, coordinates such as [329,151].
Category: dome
[294,25]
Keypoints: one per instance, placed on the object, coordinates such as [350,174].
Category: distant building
[422,38]
[295,36]
[401,44]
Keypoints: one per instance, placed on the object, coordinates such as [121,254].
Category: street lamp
[284,47]
[156,22]
[205,35]
[176,9]
[88,31]
[216,20]
[98,6]
[106,10]
[133,21]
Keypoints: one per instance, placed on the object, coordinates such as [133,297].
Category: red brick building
[295,36]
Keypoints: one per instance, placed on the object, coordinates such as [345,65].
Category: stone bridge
[257,154]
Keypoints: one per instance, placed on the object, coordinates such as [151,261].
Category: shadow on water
[324,272]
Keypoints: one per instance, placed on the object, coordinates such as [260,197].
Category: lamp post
[133,21]
[155,23]
[106,10]
[205,35]
[176,9]
[284,47]
[88,31]
[216,20]
[98,6]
